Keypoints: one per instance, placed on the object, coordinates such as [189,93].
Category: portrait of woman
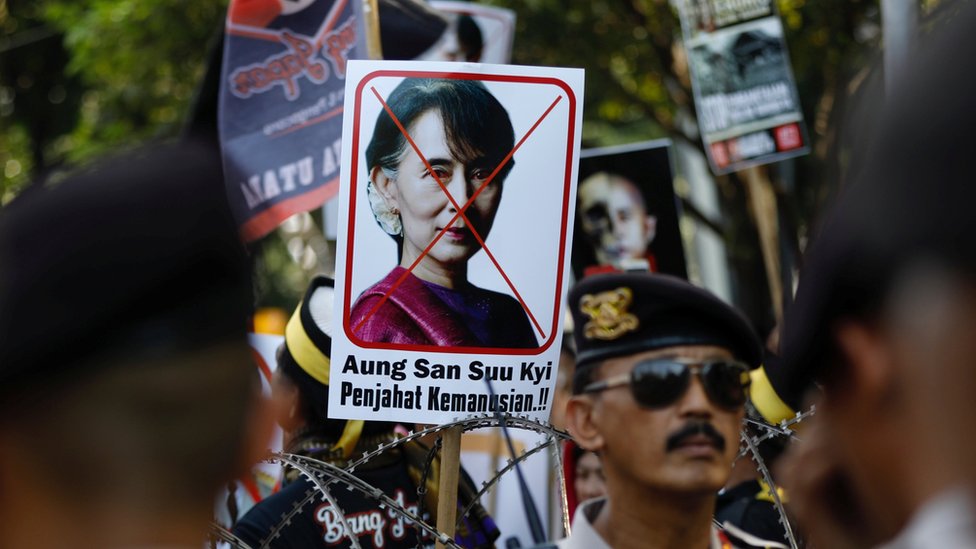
[463,133]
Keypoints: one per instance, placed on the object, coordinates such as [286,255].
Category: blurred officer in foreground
[885,319]
[661,379]
[127,390]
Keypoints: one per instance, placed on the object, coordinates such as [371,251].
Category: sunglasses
[660,382]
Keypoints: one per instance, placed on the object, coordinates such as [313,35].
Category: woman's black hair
[476,124]
[470,38]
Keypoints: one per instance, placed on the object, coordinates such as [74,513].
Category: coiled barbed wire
[323,474]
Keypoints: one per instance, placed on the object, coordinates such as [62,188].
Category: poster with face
[457,212]
[627,212]
[475,33]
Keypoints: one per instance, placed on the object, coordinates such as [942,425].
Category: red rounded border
[353,196]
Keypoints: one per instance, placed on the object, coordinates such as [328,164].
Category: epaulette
[766,493]
[741,539]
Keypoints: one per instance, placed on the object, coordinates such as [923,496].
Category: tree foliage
[79,77]
[637,81]
[102,74]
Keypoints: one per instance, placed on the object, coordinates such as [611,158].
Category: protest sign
[281,101]
[627,212]
[457,207]
[748,108]
[476,33]
[472,32]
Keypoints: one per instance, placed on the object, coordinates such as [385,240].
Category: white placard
[493,27]
[412,347]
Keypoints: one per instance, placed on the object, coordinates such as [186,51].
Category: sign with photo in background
[626,211]
[457,210]
[476,33]
[748,109]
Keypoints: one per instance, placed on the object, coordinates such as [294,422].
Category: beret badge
[609,318]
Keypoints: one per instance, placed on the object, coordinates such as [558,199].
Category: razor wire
[323,475]
[750,446]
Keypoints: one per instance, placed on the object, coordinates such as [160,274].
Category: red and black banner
[280,111]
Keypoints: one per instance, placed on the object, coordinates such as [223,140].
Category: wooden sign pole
[762,198]
[448,489]
[371,13]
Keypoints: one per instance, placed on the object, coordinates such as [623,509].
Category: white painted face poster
[476,33]
[456,215]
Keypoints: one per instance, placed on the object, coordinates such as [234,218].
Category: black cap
[136,256]
[911,202]
[626,313]
[306,355]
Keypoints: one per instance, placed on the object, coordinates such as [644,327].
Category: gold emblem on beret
[608,314]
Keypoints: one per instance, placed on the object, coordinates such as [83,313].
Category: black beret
[626,313]
[135,256]
[910,202]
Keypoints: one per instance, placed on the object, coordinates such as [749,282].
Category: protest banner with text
[281,103]
[458,210]
[748,107]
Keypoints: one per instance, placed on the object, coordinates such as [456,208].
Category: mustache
[692,428]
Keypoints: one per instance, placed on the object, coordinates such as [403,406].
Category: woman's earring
[386,215]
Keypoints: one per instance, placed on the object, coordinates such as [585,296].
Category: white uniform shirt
[584,536]
[947,520]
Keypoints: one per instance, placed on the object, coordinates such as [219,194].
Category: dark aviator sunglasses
[660,382]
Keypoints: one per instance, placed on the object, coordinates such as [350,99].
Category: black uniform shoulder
[255,526]
[741,539]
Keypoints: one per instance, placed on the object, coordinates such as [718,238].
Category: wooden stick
[447,492]
[762,198]
[371,12]
[497,447]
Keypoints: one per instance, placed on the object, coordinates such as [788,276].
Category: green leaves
[139,62]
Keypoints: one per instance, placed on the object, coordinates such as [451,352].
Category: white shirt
[584,536]
[947,520]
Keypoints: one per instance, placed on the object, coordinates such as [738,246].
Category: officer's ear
[579,422]
[870,363]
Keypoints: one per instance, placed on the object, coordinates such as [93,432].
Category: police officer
[128,395]
[884,318]
[661,381]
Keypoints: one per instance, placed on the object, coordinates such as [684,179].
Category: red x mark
[460,213]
